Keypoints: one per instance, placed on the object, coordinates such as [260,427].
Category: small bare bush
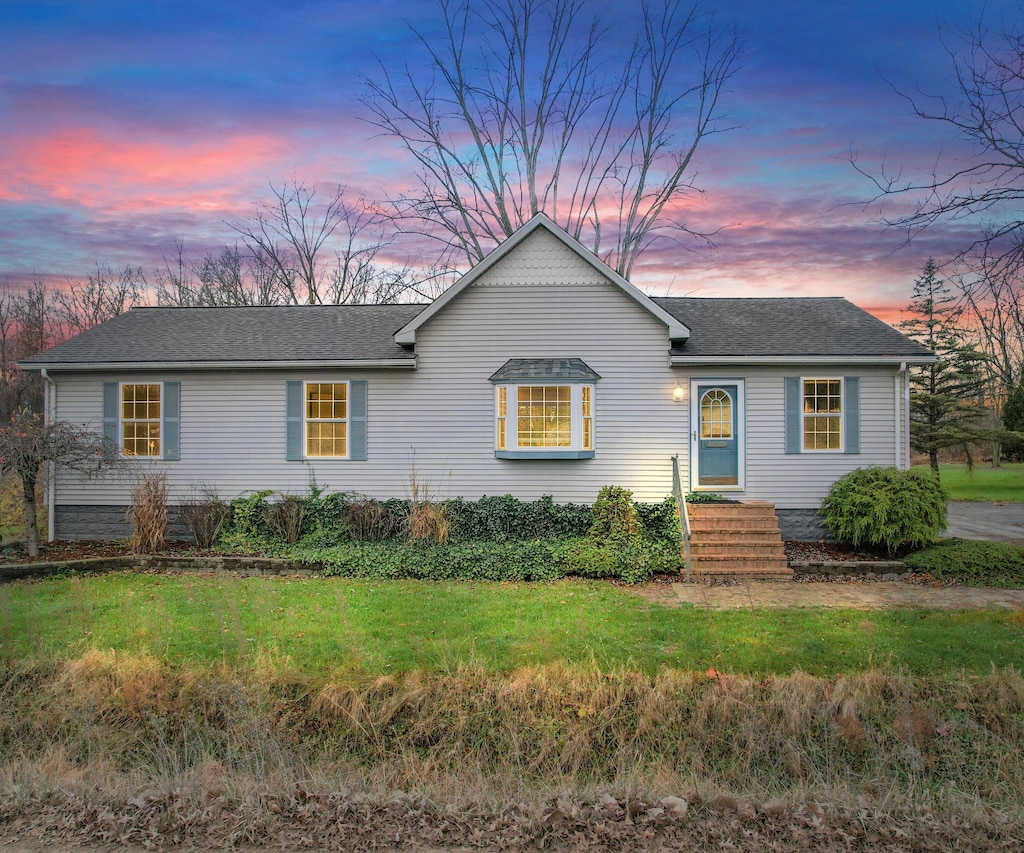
[204,515]
[369,520]
[429,521]
[286,516]
[148,514]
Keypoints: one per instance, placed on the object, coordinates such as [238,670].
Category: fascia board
[385,363]
[680,361]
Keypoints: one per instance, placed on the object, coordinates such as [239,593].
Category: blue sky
[127,126]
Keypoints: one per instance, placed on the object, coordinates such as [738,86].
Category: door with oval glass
[716,434]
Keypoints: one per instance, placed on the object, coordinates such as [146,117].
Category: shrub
[509,560]
[615,516]
[324,511]
[203,515]
[148,514]
[971,562]
[369,520]
[285,517]
[499,518]
[246,524]
[885,508]
[660,522]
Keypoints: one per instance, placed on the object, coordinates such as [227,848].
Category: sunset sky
[127,126]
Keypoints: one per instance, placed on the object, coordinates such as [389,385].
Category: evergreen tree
[946,396]
[1013,420]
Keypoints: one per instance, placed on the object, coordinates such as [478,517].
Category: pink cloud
[94,170]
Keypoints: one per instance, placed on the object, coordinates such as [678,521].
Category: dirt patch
[335,821]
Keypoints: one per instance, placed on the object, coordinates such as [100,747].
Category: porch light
[678,393]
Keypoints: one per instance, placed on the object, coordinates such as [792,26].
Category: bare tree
[26,443]
[81,304]
[319,250]
[523,114]
[987,112]
[226,279]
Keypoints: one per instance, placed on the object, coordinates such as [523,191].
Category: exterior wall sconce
[678,393]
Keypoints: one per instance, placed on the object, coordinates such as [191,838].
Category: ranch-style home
[540,372]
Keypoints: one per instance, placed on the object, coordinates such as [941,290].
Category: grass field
[983,482]
[400,626]
[255,712]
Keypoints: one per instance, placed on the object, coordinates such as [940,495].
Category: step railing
[683,514]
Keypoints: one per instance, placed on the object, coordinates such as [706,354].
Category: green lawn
[983,482]
[322,625]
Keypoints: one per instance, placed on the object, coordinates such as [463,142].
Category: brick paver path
[877,595]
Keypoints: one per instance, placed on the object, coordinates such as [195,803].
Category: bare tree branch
[528,114]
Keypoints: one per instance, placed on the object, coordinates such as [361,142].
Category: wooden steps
[737,539]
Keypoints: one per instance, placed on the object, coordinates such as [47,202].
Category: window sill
[543,454]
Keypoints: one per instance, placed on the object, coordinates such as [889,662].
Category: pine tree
[946,396]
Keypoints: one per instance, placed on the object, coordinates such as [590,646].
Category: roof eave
[681,360]
[354,363]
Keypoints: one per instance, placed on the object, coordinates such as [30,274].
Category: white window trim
[804,415]
[306,420]
[121,421]
[575,450]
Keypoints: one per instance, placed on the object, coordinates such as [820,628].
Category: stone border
[849,567]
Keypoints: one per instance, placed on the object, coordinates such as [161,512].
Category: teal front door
[718,456]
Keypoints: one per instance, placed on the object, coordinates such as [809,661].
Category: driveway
[999,522]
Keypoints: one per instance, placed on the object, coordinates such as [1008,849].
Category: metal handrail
[683,513]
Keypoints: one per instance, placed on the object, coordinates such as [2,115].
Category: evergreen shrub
[971,562]
[885,508]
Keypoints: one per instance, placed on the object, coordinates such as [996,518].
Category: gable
[541,254]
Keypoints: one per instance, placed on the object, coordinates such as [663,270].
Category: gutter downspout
[49,412]
[898,380]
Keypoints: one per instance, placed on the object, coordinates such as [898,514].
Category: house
[540,372]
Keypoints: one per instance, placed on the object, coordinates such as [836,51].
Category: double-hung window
[544,409]
[823,414]
[327,419]
[142,419]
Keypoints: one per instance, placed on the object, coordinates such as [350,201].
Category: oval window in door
[716,414]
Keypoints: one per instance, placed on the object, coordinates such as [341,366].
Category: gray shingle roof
[516,369]
[241,334]
[789,326]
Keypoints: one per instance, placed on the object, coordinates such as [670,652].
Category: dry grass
[148,514]
[907,741]
[123,749]
[429,520]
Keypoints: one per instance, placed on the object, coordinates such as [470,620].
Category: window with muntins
[546,420]
[716,414]
[823,414]
[140,419]
[326,419]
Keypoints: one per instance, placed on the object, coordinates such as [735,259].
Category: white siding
[800,480]
[541,301]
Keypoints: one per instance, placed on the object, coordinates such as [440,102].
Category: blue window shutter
[357,420]
[293,438]
[172,421]
[794,414]
[851,403]
[111,404]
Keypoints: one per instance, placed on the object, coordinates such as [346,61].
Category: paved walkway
[868,595]
[998,522]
